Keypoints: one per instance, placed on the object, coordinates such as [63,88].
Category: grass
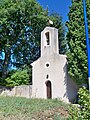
[16,108]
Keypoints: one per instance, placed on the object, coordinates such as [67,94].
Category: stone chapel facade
[49,73]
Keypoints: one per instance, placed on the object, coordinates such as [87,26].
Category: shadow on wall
[4,88]
[72,89]
[71,86]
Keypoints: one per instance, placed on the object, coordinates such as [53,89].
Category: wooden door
[49,89]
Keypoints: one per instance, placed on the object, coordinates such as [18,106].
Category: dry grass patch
[16,108]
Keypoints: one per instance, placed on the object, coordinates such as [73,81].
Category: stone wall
[18,91]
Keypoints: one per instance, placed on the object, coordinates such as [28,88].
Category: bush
[83,111]
[2,82]
[20,77]
[84,101]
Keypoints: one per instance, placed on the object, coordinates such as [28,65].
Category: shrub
[2,82]
[20,77]
[84,101]
[83,111]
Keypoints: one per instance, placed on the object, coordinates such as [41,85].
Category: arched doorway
[49,89]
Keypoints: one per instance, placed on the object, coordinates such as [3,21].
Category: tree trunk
[6,63]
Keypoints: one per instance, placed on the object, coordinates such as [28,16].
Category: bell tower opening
[47,35]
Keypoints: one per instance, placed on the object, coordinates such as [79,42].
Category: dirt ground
[49,114]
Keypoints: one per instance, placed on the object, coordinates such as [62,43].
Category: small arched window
[47,76]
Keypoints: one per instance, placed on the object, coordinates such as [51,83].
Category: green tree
[77,54]
[19,77]
[21,23]
[18,20]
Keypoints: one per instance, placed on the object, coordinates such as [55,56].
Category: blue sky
[55,5]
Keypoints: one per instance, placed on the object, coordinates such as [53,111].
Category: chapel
[50,77]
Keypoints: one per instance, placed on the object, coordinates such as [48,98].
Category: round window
[47,65]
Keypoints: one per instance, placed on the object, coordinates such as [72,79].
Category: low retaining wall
[18,91]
